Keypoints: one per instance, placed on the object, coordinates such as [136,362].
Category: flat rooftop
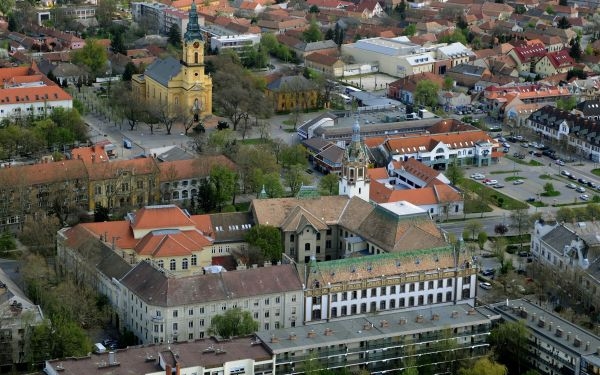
[207,353]
[369,327]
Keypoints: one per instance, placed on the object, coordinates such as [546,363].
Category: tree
[129,71]
[314,9]
[272,185]
[566,104]
[482,239]
[174,36]
[563,23]
[295,177]
[224,180]
[563,3]
[410,30]
[267,239]
[501,229]
[292,155]
[426,93]
[484,366]
[575,51]
[473,227]
[93,55]
[509,340]
[101,213]
[455,174]
[549,188]
[117,40]
[520,221]
[549,10]
[329,184]
[6,6]
[313,33]
[104,13]
[576,72]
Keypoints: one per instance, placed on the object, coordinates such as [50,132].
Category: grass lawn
[242,207]
[532,162]
[476,206]
[513,178]
[492,196]
[546,177]
[596,171]
[505,172]
[538,204]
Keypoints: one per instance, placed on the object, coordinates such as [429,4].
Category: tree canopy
[268,239]
[93,55]
[426,93]
[234,322]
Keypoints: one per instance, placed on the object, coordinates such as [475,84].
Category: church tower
[195,81]
[355,180]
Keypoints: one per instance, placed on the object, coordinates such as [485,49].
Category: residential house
[450,99]
[467,75]
[325,156]
[404,88]
[291,93]
[180,179]
[527,57]
[140,57]
[576,131]
[496,11]
[242,355]
[68,73]
[366,9]
[516,113]
[589,109]
[280,27]
[237,43]
[555,63]
[326,64]
[457,53]
[497,97]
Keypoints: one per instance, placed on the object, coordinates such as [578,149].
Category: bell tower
[193,41]
[354,179]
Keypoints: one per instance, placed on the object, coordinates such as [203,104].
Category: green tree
[329,184]
[313,33]
[292,155]
[129,71]
[520,221]
[410,30]
[473,227]
[234,322]
[509,340]
[455,174]
[448,83]
[314,9]
[566,104]
[549,188]
[482,239]
[104,13]
[484,366]
[272,185]
[426,93]
[549,10]
[565,214]
[6,6]
[575,51]
[563,23]
[224,180]
[7,241]
[174,37]
[93,55]
[267,239]
[295,177]
[101,213]
[117,40]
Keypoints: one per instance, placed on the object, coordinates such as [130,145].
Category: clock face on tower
[196,44]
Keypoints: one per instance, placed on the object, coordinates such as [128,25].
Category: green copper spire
[192,31]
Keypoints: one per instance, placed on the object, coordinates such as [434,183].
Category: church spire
[193,31]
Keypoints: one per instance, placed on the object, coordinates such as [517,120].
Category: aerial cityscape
[227,187]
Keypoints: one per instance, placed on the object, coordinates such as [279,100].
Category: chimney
[587,346]
[568,336]
[403,322]
[112,358]
[168,370]
[577,342]
[419,318]
[177,369]
[454,314]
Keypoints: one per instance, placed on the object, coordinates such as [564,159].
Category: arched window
[175,195]
[184,264]
[184,194]
[307,246]
[194,260]
[195,57]
[172,265]
[161,264]
[193,193]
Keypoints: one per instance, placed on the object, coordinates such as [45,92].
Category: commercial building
[237,43]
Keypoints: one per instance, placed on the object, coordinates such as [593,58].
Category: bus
[345,98]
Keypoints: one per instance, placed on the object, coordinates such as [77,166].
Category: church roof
[162,70]
[193,31]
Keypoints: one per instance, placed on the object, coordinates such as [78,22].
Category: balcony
[157,319]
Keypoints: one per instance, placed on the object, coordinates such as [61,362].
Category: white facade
[234,42]
[24,109]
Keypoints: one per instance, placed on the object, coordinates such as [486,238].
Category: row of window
[184,263]
[391,304]
[111,188]
[344,296]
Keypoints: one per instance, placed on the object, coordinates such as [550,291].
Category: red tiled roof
[322,59]
[411,144]
[192,168]
[107,171]
[171,243]
[161,217]
[527,53]
[560,59]
[45,173]
[377,173]
[92,154]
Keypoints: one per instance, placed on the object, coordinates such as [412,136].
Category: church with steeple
[179,85]
[354,180]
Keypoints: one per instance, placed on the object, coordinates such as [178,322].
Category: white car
[571,185]
[584,197]
[485,285]
[518,182]
[580,189]
[559,162]
[491,182]
[477,176]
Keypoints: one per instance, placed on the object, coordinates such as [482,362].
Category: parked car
[487,181]
[559,162]
[592,184]
[518,182]
[571,185]
[477,176]
[488,272]
[584,197]
[580,189]
[572,177]
[498,186]
[530,200]
[582,180]
[565,173]
[485,285]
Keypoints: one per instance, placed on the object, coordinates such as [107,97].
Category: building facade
[175,85]
[354,180]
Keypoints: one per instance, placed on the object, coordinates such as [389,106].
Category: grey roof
[175,153]
[589,108]
[371,327]
[333,154]
[113,266]
[323,44]
[231,227]
[290,82]
[155,288]
[162,70]
[468,69]
[559,237]
[316,144]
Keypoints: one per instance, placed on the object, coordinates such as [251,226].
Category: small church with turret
[179,85]
[354,180]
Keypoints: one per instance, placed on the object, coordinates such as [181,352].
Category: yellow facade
[188,89]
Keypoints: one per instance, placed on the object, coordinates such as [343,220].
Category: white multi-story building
[158,308]
[161,16]
[233,42]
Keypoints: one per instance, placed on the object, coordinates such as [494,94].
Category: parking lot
[534,177]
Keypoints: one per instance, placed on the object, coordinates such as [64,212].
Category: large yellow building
[179,85]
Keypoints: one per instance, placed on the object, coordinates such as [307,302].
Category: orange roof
[377,173]
[160,217]
[14,95]
[446,193]
[418,169]
[107,171]
[203,223]
[120,231]
[45,173]
[166,243]
[190,168]
[9,73]
[92,154]
[414,143]
[379,193]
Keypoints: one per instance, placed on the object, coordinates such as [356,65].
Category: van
[99,348]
